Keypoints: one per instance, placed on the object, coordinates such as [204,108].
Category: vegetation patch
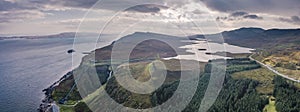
[287,96]
[246,87]
[262,75]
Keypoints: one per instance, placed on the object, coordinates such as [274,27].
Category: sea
[27,66]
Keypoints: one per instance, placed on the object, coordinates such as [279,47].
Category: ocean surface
[27,66]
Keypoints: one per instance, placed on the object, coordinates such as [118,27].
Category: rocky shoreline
[48,103]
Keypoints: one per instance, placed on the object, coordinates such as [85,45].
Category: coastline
[48,102]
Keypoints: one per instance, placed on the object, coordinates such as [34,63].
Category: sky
[178,17]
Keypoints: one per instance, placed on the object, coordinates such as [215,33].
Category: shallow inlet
[203,51]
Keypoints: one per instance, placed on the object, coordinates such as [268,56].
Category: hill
[247,86]
[257,37]
[60,35]
[278,48]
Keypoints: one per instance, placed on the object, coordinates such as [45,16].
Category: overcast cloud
[276,7]
[229,14]
[239,15]
[292,20]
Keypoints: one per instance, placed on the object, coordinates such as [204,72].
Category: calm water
[27,66]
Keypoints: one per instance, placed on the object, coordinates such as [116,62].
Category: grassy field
[64,108]
[286,62]
[291,73]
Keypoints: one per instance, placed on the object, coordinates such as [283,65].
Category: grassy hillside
[286,62]
[233,82]
[279,48]
[248,87]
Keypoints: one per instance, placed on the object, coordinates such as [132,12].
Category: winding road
[274,71]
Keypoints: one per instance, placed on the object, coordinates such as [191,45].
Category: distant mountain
[256,37]
[60,35]
[149,45]
[246,37]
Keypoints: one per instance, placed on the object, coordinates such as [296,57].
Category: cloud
[252,16]
[197,11]
[115,5]
[20,15]
[292,20]
[8,5]
[239,15]
[274,7]
[65,3]
[16,10]
[66,13]
[147,8]
[44,6]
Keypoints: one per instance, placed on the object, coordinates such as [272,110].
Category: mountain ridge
[272,31]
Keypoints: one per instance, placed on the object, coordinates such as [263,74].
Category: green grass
[285,61]
[291,73]
[66,108]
